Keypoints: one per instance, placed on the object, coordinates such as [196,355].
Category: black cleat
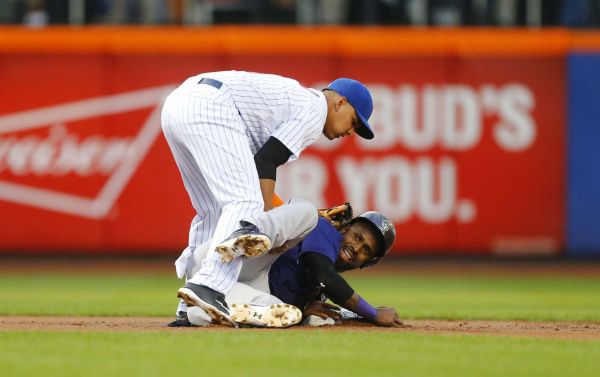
[181,320]
[211,301]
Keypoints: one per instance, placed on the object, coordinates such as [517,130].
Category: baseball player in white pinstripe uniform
[228,132]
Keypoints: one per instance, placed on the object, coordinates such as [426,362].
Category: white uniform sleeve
[303,127]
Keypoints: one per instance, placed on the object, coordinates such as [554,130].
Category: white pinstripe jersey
[272,105]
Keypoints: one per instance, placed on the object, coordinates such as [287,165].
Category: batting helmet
[385,230]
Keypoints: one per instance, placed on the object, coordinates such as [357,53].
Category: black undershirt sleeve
[272,154]
[321,272]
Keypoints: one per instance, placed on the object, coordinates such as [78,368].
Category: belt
[212,82]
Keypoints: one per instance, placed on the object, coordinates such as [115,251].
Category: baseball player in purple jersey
[312,268]
[228,132]
[272,287]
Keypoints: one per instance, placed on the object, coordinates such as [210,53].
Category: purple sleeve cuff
[365,310]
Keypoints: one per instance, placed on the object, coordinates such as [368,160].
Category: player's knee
[306,210]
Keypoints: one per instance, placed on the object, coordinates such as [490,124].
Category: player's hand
[322,309]
[387,317]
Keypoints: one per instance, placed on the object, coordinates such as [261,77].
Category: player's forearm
[360,306]
[267,188]
[380,316]
[321,272]
[272,154]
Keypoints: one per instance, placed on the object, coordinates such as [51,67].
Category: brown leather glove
[338,216]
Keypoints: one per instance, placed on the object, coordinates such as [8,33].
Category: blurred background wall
[485,118]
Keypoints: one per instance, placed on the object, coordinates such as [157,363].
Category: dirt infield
[559,330]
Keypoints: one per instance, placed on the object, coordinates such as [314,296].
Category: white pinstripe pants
[207,138]
[289,223]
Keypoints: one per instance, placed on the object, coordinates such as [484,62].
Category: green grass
[479,297]
[443,297]
[287,353]
[89,294]
[291,353]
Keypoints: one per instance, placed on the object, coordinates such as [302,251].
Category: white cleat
[316,321]
[198,317]
[347,314]
[276,315]
[247,245]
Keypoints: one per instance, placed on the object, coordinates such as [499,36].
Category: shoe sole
[217,316]
[247,245]
[275,316]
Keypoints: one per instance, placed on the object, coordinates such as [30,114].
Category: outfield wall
[470,155]
[583,207]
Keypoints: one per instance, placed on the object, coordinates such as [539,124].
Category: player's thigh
[257,268]
[174,123]
[215,136]
[242,293]
[198,189]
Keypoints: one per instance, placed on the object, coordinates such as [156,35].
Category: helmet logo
[384,226]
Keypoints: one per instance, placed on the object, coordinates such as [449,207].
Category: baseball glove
[338,216]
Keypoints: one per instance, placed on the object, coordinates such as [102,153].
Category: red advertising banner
[468,156]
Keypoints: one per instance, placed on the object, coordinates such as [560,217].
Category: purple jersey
[287,280]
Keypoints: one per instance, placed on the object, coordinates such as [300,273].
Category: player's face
[359,245]
[341,120]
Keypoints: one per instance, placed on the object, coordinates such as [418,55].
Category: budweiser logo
[61,152]
[39,148]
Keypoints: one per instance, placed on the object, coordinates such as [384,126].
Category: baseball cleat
[247,241]
[348,314]
[276,315]
[211,301]
[181,320]
[198,317]
[316,321]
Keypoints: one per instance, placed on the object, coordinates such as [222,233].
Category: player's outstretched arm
[322,274]
[381,316]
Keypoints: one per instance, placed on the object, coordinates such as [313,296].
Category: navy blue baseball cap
[359,97]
